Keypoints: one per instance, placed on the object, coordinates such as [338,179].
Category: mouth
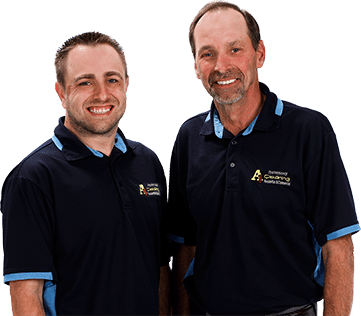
[100,110]
[226,82]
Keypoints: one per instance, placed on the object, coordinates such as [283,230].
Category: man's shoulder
[195,123]
[142,151]
[140,148]
[303,117]
[34,162]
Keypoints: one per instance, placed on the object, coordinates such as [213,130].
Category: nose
[222,63]
[101,93]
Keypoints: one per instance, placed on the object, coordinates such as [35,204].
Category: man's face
[226,61]
[95,90]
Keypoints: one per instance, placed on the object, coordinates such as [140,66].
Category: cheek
[80,96]
[74,103]
[119,93]
[202,70]
[203,74]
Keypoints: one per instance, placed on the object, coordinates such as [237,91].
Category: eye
[235,50]
[84,83]
[112,80]
[206,55]
[203,53]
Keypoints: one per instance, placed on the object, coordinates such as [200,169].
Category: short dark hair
[253,28]
[88,39]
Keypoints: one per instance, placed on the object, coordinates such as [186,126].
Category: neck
[238,116]
[102,143]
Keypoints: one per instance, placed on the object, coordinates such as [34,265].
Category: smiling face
[94,96]
[226,61]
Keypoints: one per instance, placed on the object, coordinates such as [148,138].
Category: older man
[258,191]
[82,213]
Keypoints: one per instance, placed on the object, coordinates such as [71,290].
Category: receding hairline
[217,10]
[252,25]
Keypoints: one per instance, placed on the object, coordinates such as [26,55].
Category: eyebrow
[91,76]
[203,48]
[84,76]
[236,42]
[230,44]
[113,73]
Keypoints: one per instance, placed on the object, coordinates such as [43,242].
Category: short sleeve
[328,194]
[181,225]
[28,230]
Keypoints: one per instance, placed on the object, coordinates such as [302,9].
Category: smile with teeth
[226,82]
[98,110]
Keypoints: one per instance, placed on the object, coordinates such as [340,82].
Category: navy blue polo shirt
[88,224]
[258,206]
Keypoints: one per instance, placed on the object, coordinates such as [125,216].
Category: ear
[261,54]
[196,69]
[61,93]
[127,84]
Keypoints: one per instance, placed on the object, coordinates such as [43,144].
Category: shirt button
[234,142]
[232,165]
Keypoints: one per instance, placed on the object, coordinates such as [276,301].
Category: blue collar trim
[95,152]
[249,129]
[57,143]
[219,128]
[279,107]
[119,143]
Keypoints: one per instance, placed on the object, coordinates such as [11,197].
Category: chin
[227,100]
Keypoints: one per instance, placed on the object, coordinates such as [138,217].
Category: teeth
[226,82]
[99,111]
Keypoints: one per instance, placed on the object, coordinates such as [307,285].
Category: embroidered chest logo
[272,177]
[149,189]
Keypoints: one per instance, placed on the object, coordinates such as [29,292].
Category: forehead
[220,26]
[95,60]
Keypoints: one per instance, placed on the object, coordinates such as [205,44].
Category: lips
[226,78]
[226,82]
[99,110]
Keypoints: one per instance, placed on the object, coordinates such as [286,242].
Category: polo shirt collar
[119,143]
[269,119]
[74,149]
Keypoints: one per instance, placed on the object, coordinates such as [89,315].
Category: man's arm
[27,297]
[164,291]
[182,258]
[339,265]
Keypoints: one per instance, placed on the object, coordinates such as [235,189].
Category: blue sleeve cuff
[28,276]
[190,270]
[179,240]
[343,232]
